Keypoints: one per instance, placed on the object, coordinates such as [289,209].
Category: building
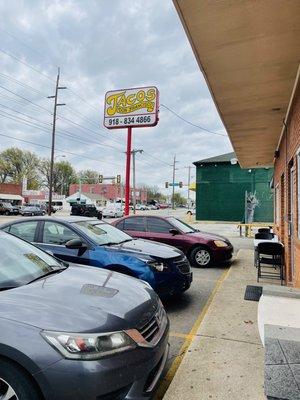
[106,192]
[249,54]
[11,193]
[222,187]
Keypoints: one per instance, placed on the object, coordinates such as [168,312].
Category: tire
[200,257]
[6,213]
[14,379]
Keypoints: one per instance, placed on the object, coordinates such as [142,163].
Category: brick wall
[11,188]
[286,178]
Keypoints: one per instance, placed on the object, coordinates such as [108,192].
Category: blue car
[87,241]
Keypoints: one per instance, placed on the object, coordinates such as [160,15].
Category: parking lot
[187,311]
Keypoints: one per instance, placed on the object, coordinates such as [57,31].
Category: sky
[103,45]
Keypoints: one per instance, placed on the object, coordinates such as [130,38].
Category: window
[134,224]
[24,230]
[158,225]
[55,233]
[120,225]
[298,191]
[277,205]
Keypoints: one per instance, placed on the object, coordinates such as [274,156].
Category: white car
[112,211]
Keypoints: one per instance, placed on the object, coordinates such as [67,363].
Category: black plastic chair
[270,261]
[264,230]
[265,236]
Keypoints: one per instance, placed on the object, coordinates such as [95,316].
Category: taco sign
[136,107]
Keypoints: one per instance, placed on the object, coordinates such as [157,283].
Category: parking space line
[188,340]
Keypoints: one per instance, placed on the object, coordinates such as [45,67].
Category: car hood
[140,247]
[208,236]
[81,299]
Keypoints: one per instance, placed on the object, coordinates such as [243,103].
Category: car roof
[70,219]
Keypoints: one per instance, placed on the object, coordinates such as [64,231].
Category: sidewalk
[226,358]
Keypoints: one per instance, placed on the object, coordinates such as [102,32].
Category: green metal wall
[220,192]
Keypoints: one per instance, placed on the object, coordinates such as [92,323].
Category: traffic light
[180,184]
[166,185]
[100,178]
[118,179]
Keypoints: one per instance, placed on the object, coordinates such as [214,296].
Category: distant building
[11,193]
[222,186]
[102,193]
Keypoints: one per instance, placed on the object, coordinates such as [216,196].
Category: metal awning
[249,54]
[4,196]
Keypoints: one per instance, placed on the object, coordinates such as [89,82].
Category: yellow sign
[131,107]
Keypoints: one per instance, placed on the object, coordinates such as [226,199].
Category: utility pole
[57,87]
[189,182]
[173,181]
[133,152]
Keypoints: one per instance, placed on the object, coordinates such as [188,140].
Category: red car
[201,248]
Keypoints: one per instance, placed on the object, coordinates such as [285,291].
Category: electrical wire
[24,98]
[27,65]
[191,123]
[60,150]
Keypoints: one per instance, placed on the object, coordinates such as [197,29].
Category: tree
[153,193]
[17,164]
[179,199]
[88,176]
[63,175]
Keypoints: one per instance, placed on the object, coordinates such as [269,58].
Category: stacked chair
[269,257]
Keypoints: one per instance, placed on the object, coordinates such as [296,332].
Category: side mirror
[74,244]
[174,231]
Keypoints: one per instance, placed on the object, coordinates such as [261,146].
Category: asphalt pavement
[186,311]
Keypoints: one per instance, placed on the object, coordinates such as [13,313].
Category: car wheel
[200,257]
[115,216]
[6,213]
[14,383]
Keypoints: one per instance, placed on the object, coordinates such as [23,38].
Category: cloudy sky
[102,45]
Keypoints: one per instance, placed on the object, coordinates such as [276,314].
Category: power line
[60,132]
[27,65]
[24,85]
[157,159]
[48,147]
[191,123]
[24,98]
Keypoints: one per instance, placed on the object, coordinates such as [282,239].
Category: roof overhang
[5,196]
[249,53]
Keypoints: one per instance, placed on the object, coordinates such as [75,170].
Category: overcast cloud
[101,46]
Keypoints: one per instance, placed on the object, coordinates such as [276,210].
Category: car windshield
[21,263]
[182,226]
[103,234]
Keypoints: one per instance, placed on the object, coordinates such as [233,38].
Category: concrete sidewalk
[226,357]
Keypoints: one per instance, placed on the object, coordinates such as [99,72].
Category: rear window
[134,224]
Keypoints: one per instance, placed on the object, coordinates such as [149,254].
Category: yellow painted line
[181,335]
[188,340]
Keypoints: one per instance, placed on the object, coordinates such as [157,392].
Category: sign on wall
[136,107]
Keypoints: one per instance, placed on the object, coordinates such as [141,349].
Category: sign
[180,184]
[136,107]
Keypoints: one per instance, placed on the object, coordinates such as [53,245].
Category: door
[158,229]
[54,237]
[291,220]
[135,227]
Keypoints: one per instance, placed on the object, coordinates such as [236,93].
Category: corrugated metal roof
[4,196]
[221,158]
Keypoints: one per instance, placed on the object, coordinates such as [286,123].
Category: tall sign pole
[129,108]
[127,178]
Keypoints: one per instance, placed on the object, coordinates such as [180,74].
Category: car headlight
[220,243]
[88,346]
[155,265]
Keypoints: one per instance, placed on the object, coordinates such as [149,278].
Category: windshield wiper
[53,271]
[126,240]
